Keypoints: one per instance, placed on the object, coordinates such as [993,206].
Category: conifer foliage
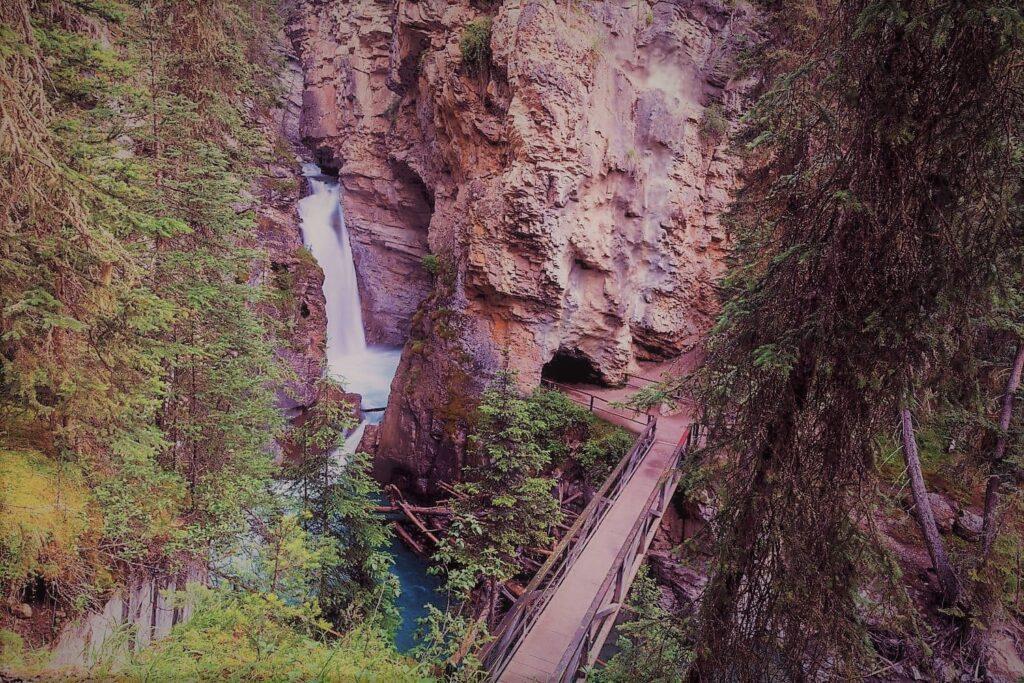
[506,503]
[130,346]
[881,215]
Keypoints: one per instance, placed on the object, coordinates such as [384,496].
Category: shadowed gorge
[511,340]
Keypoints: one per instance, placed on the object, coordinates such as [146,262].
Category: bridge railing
[597,404]
[640,382]
[589,638]
[517,622]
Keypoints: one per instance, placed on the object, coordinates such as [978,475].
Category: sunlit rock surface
[571,189]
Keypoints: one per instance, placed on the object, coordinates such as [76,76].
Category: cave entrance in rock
[569,366]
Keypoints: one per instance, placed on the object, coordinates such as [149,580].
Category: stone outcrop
[347,121]
[289,272]
[570,187]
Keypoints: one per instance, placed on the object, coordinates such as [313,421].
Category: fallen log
[418,522]
[434,510]
[452,491]
[530,563]
[507,593]
[407,538]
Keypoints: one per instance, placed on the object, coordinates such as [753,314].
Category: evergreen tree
[880,216]
[131,342]
[652,646]
[337,496]
[505,504]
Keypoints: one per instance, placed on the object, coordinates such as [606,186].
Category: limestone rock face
[570,188]
[348,120]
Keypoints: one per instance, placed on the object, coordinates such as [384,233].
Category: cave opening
[570,366]
[323,156]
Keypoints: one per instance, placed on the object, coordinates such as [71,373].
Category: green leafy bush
[578,438]
[505,501]
[258,637]
[46,516]
[713,123]
[475,44]
[652,645]
[431,264]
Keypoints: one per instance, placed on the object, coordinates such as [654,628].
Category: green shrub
[12,650]
[431,264]
[259,637]
[714,124]
[600,453]
[45,515]
[475,44]
[574,435]
[652,644]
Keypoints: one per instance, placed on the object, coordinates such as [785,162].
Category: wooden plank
[607,560]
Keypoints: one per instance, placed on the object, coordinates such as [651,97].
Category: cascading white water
[362,369]
[325,234]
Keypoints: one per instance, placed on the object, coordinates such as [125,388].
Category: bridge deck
[538,656]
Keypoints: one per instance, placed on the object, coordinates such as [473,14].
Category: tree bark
[990,526]
[925,519]
[492,602]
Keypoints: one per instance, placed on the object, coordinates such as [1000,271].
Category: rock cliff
[568,186]
[293,278]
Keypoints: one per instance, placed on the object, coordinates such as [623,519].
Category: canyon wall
[568,188]
[293,279]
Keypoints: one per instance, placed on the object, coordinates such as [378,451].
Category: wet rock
[289,272]
[371,437]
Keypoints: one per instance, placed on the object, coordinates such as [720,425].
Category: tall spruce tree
[880,214]
[336,495]
[505,504]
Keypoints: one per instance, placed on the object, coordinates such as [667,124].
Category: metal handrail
[584,647]
[630,375]
[569,389]
[517,622]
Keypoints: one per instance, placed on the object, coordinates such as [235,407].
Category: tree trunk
[492,602]
[720,608]
[990,527]
[925,519]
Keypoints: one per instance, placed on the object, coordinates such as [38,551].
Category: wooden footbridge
[555,631]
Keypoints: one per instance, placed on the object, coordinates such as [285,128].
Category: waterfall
[326,236]
[362,369]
